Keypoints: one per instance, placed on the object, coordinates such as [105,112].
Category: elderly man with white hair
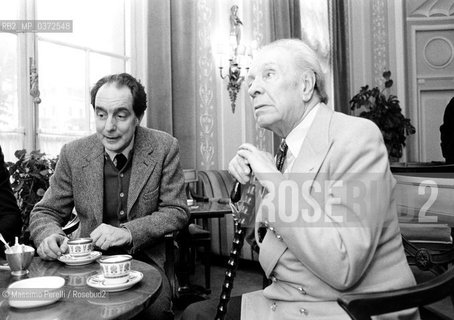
[326,223]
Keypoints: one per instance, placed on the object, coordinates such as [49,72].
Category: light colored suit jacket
[156,198]
[338,232]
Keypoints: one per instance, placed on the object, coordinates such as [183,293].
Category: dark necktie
[121,161]
[281,154]
[280,160]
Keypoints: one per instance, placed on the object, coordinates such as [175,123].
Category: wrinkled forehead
[272,56]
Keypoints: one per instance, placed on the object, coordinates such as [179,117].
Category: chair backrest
[215,183]
[423,168]
[72,227]
[435,261]
[361,306]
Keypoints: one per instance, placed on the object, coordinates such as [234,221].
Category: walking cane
[242,217]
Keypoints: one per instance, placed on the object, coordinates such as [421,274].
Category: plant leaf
[387,74]
[19,154]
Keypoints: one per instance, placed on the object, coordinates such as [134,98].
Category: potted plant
[384,109]
[29,180]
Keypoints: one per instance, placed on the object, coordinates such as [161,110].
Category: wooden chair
[195,236]
[72,226]
[427,259]
[362,306]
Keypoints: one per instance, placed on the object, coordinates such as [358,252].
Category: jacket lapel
[315,146]
[313,152]
[93,169]
[143,164]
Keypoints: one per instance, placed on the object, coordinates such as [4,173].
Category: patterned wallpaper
[258,27]
[216,142]
[205,89]
[432,8]
[380,56]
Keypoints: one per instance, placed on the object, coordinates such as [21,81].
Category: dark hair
[139,97]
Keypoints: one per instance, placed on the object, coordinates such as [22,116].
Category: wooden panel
[433,104]
[431,82]
[435,50]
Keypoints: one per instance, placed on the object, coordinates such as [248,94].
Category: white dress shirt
[296,138]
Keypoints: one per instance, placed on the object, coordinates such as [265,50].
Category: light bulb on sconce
[239,58]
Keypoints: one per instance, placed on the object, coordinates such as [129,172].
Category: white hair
[305,58]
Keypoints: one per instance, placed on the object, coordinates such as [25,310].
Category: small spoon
[4,242]
[18,248]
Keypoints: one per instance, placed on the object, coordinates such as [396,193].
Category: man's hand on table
[106,236]
[53,246]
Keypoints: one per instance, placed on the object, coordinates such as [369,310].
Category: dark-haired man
[447,133]
[125,183]
[10,220]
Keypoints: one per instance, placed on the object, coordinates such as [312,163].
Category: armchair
[362,306]
[71,228]
[426,259]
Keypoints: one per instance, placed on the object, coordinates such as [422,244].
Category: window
[67,64]
[10,134]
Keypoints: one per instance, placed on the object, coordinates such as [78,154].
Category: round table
[81,301]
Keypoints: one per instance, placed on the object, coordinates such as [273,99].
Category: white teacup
[116,268]
[81,247]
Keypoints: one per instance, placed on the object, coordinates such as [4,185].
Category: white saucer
[72,261]
[35,292]
[4,266]
[98,281]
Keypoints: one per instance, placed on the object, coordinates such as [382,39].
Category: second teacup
[80,247]
[116,268]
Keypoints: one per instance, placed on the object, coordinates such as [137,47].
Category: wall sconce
[238,57]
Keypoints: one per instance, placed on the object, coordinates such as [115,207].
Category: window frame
[27,53]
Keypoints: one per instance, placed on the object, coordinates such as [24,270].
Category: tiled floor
[248,279]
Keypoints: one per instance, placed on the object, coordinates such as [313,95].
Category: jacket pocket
[151,195]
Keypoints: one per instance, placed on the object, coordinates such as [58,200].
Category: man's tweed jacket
[156,200]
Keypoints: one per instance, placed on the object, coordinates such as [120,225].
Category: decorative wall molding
[430,64]
[438,52]
[205,82]
[434,8]
[379,40]
[258,22]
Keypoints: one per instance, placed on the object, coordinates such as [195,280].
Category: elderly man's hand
[239,169]
[53,246]
[106,236]
[249,157]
